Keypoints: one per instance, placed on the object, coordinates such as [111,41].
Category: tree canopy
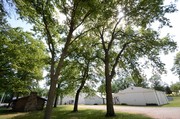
[121,32]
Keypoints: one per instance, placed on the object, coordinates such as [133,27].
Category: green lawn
[64,112]
[174,103]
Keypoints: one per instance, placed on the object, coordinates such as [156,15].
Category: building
[83,99]
[140,96]
[94,100]
[29,103]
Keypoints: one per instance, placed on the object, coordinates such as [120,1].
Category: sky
[174,32]
[168,78]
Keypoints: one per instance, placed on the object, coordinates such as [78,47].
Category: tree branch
[113,33]
[117,58]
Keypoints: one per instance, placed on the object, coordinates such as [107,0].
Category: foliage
[175,87]
[156,82]
[168,90]
[176,67]
[122,30]
[22,59]
[125,37]
[58,34]
[64,112]
[102,89]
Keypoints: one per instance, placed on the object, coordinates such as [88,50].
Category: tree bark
[109,100]
[56,100]
[61,99]
[77,96]
[57,97]
[84,78]
[51,95]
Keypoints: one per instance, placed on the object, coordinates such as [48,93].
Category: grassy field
[174,103]
[64,112]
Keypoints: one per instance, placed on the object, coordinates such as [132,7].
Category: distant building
[94,100]
[29,103]
[84,99]
[140,96]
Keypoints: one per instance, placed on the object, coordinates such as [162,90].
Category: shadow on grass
[65,112]
[4,110]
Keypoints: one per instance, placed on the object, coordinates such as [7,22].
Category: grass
[8,113]
[174,103]
[64,112]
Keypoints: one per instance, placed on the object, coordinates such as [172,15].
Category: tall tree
[23,59]
[85,58]
[45,17]
[125,36]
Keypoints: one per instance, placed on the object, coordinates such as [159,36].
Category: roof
[28,97]
[134,89]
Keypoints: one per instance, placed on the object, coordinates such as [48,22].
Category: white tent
[94,100]
[84,99]
[69,99]
[140,96]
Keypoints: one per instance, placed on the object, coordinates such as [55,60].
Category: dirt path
[154,112]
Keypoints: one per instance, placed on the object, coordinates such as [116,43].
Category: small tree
[176,67]
[168,90]
[175,87]
[157,82]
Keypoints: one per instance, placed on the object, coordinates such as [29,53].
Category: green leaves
[23,59]
[176,67]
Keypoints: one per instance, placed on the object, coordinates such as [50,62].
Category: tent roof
[134,89]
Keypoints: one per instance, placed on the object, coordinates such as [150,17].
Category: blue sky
[167,59]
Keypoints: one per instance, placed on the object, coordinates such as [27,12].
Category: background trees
[175,87]
[23,59]
[156,82]
[176,67]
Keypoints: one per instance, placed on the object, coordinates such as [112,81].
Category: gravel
[153,112]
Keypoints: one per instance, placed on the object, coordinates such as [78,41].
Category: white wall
[140,96]
[69,99]
[91,100]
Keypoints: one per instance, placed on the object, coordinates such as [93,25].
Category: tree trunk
[76,101]
[57,97]
[109,100]
[77,96]
[103,101]
[61,99]
[56,100]
[51,95]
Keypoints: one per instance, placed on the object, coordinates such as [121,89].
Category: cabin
[28,103]
[140,96]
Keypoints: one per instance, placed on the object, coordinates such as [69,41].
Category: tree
[175,87]
[157,82]
[68,83]
[176,67]
[42,15]
[22,57]
[168,90]
[85,62]
[125,36]
[122,27]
